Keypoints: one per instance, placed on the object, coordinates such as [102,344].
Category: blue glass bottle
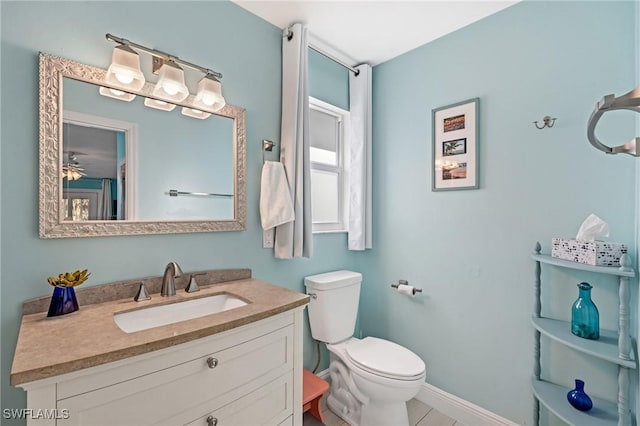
[578,398]
[585,319]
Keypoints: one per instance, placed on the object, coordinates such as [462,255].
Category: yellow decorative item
[70,279]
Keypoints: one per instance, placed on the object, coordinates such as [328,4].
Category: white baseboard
[459,409]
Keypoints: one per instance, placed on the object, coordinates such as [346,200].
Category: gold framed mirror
[166,176]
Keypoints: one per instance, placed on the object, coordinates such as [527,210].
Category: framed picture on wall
[455,146]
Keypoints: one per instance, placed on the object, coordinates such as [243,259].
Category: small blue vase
[578,398]
[585,319]
[63,301]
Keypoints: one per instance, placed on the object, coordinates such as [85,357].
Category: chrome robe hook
[547,121]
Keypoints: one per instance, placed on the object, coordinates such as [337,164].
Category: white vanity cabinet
[614,346]
[249,375]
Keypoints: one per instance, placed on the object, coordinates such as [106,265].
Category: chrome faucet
[171,272]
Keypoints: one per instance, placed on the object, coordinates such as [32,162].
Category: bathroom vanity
[240,366]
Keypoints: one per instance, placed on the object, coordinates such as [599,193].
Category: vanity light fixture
[124,70]
[125,73]
[170,85]
[161,105]
[210,93]
[195,113]
[117,94]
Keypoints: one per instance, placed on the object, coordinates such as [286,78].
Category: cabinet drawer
[269,405]
[154,397]
[116,372]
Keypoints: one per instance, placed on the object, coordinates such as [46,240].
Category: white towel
[276,206]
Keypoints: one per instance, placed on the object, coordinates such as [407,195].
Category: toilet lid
[386,358]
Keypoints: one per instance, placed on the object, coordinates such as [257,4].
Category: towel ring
[630,101]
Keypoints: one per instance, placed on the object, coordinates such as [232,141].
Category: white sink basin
[156,316]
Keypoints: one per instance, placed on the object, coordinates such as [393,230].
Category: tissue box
[598,253]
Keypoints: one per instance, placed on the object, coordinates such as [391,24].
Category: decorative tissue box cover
[599,253]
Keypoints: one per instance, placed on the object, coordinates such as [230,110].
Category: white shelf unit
[612,346]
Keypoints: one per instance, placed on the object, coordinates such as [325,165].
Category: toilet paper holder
[405,282]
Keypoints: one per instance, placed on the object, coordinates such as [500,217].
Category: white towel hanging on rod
[276,206]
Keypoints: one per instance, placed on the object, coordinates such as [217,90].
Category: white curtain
[295,239]
[107,202]
[360,224]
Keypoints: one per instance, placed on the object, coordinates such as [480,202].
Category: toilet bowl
[380,375]
[371,378]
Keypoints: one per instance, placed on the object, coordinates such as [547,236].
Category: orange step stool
[313,387]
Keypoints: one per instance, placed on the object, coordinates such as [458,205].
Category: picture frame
[455,146]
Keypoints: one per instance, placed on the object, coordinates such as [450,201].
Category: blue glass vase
[585,320]
[63,301]
[578,398]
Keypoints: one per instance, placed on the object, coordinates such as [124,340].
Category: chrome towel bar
[175,193]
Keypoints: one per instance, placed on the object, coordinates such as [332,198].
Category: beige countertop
[88,337]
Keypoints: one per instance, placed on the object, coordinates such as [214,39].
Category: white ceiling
[371,31]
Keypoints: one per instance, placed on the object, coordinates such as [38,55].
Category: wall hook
[546,122]
[267,145]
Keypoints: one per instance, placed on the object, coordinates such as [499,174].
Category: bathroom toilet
[371,378]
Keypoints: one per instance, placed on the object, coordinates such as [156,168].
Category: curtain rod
[326,55]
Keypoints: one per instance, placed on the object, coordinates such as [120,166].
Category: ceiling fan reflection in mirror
[71,170]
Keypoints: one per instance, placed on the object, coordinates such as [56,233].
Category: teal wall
[84,183]
[92,183]
[250,61]
[328,81]
[469,250]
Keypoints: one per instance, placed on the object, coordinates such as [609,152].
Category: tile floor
[419,415]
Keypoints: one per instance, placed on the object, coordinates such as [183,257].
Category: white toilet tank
[333,308]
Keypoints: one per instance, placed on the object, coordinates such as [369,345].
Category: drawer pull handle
[212,421]
[212,363]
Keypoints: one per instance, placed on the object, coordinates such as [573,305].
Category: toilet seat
[384,358]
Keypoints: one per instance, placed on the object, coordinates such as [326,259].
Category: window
[329,154]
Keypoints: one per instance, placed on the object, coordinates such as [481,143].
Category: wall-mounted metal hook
[546,122]
[266,146]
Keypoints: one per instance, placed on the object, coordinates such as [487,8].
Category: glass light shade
[209,94]
[170,85]
[124,70]
[162,105]
[71,171]
[195,113]
[73,175]
[117,94]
